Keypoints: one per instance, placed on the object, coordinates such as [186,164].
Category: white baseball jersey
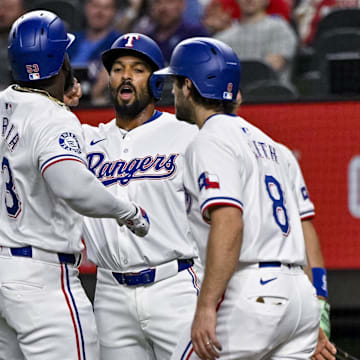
[231,162]
[146,166]
[36,133]
[43,304]
[305,205]
[238,165]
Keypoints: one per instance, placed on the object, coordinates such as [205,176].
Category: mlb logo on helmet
[34,76]
[227,95]
[208,181]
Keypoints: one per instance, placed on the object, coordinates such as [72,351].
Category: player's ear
[238,98]
[187,86]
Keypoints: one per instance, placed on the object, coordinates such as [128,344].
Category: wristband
[320,281]
[325,317]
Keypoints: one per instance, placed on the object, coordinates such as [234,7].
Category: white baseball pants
[143,322]
[267,313]
[44,312]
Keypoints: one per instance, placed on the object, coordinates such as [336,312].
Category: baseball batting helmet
[211,65]
[141,46]
[37,45]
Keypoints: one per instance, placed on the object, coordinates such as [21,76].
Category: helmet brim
[165,72]
[71,38]
[108,57]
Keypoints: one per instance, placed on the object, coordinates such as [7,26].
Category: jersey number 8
[279,210]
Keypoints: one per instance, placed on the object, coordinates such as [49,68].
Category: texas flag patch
[208,181]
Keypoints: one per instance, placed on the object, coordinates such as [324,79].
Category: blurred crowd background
[290,49]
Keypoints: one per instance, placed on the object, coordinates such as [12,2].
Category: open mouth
[126,92]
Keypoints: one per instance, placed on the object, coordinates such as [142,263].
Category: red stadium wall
[326,140]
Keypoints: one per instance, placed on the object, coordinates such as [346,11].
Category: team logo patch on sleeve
[69,142]
[208,181]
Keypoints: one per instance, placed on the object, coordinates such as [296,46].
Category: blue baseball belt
[151,275]
[27,251]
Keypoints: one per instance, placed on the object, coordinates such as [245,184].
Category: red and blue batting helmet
[211,65]
[138,45]
[37,45]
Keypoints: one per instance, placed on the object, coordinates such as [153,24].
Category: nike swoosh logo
[263,282]
[94,142]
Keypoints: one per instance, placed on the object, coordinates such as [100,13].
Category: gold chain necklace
[41,92]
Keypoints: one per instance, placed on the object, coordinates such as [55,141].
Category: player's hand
[203,337]
[325,350]
[139,223]
[72,97]
[325,316]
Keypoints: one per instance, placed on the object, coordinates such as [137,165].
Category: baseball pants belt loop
[39,254]
[152,275]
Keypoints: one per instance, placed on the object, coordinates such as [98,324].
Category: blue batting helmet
[141,46]
[37,45]
[211,65]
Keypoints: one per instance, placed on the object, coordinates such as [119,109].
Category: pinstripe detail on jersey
[219,200]
[80,346]
[53,160]
[194,280]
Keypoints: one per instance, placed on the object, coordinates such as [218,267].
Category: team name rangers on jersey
[9,133]
[122,172]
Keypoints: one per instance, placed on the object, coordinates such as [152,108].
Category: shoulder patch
[69,142]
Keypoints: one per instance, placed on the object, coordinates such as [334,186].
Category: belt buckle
[143,277]
[147,276]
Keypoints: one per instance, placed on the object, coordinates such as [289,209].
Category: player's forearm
[222,253]
[84,193]
[313,249]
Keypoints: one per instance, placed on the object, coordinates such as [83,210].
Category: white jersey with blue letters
[257,182]
[269,308]
[36,133]
[145,165]
[44,311]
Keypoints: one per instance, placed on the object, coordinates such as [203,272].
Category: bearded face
[129,101]
[129,88]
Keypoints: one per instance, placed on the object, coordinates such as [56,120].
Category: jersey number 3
[279,210]
[12,202]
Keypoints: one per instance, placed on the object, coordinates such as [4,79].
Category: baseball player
[146,290]
[255,300]
[315,268]
[44,183]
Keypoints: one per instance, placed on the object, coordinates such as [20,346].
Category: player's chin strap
[320,284]
[41,92]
